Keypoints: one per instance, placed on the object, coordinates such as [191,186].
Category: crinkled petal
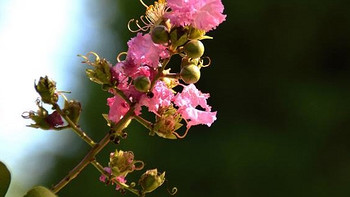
[202,14]
[142,51]
[162,97]
[188,100]
[117,108]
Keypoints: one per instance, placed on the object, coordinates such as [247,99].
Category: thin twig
[92,153]
[75,128]
[99,167]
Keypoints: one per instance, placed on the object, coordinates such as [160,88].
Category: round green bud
[142,83]
[40,191]
[194,49]
[160,34]
[190,74]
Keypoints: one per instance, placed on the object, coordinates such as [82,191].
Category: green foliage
[5,179]
[40,191]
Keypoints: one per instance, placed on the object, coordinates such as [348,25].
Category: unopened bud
[190,74]
[142,83]
[160,34]
[194,49]
[47,90]
[151,180]
[43,119]
[72,109]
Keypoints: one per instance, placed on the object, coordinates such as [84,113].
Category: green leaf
[40,191]
[5,179]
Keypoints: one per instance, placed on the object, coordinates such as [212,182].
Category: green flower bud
[73,109]
[150,180]
[194,49]
[190,74]
[142,83]
[47,90]
[167,122]
[121,163]
[160,34]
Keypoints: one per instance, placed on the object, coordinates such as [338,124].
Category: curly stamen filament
[140,163]
[136,22]
[181,136]
[145,28]
[173,191]
[120,54]
[143,3]
[205,65]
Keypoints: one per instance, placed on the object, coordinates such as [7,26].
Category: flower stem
[171,75]
[144,122]
[92,153]
[160,73]
[75,128]
[99,167]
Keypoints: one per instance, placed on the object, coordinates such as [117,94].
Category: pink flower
[103,177]
[162,97]
[142,51]
[117,108]
[54,119]
[202,14]
[188,100]
[120,179]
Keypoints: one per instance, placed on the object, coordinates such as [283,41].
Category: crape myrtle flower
[143,51]
[188,100]
[201,14]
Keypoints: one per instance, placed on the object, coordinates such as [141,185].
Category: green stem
[75,128]
[99,167]
[122,95]
[61,128]
[93,152]
[160,73]
[144,122]
[171,75]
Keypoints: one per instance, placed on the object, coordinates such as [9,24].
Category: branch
[92,153]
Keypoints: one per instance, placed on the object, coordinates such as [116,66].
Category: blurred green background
[280,83]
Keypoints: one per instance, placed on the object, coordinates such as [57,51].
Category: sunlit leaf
[5,179]
[40,191]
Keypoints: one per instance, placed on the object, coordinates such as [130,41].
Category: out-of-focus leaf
[39,191]
[5,179]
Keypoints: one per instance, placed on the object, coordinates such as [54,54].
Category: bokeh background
[280,81]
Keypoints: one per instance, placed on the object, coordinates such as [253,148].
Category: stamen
[143,3]
[202,60]
[141,165]
[120,54]
[136,22]
[181,136]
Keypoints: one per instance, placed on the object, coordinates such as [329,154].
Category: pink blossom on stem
[188,100]
[103,177]
[119,179]
[143,51]
[117,108]
[162,97]
[202,14]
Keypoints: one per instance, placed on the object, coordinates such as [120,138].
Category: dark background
[280,83]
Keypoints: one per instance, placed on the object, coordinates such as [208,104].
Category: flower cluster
[175,27]
[142,82]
